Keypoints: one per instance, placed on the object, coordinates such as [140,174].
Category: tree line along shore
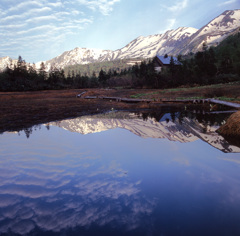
[215,72]
[213,65]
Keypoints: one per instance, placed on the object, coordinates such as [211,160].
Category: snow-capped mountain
[150,46]
[141,47]
[78,56]
[186,130]
[6,62]
[173,42]
[214,32]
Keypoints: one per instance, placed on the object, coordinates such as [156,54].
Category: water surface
[120,174]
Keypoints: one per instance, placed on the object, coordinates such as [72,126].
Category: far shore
[20,110]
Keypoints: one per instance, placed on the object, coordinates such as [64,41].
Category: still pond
[121,173]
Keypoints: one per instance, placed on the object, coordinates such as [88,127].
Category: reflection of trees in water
[201,116]
[28,131]
[175,114]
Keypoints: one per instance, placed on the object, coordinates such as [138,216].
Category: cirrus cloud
[37,20]
[227,2]
[178,6]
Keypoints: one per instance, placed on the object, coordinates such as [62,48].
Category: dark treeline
[23,77]
[209,66]
[219,64]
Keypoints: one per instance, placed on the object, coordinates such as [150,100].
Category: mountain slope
[78,56]
[214,32]
[173,42]
[149,46]
[142,47]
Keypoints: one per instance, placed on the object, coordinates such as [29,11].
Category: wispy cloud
[171,23]
[25,4]
[174,10]
[35,20]
[14,26]
[227,2]
[42,19]
[9,18]
[179,5]
[56,4]
[104,6]
[39,10]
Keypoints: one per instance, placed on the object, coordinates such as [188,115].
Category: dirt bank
[232,127]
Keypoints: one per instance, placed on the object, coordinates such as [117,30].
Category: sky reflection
[58,192]
[116,183]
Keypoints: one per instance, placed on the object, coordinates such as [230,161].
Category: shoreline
[20,110]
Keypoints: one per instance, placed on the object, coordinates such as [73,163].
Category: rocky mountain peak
[214,32]
[6,62]
[182,40]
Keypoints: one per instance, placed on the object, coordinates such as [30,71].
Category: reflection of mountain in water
[172,126]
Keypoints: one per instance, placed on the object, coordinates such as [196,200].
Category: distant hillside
[183,40]
[214,32]
[89,69]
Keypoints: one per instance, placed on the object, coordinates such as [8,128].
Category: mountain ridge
[182,40]
[214,32]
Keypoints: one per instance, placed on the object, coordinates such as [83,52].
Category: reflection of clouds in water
[19,227]
[211,182]
[208,177]
[182,161]
[231,159]
[27,191]
[112,169]
[7,200]
[67,192]
[111,189]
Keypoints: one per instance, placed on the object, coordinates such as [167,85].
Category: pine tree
[102,77]
[172,66]
[42,72]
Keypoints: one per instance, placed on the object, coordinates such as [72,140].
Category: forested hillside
[212,65]
[115,66]
[208,66]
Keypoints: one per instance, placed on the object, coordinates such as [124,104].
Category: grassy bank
[25,109]
[227,92]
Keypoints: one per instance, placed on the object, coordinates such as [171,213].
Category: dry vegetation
[232,126]
[24,109]
[231,129]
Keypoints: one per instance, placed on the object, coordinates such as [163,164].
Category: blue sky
[42,29]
